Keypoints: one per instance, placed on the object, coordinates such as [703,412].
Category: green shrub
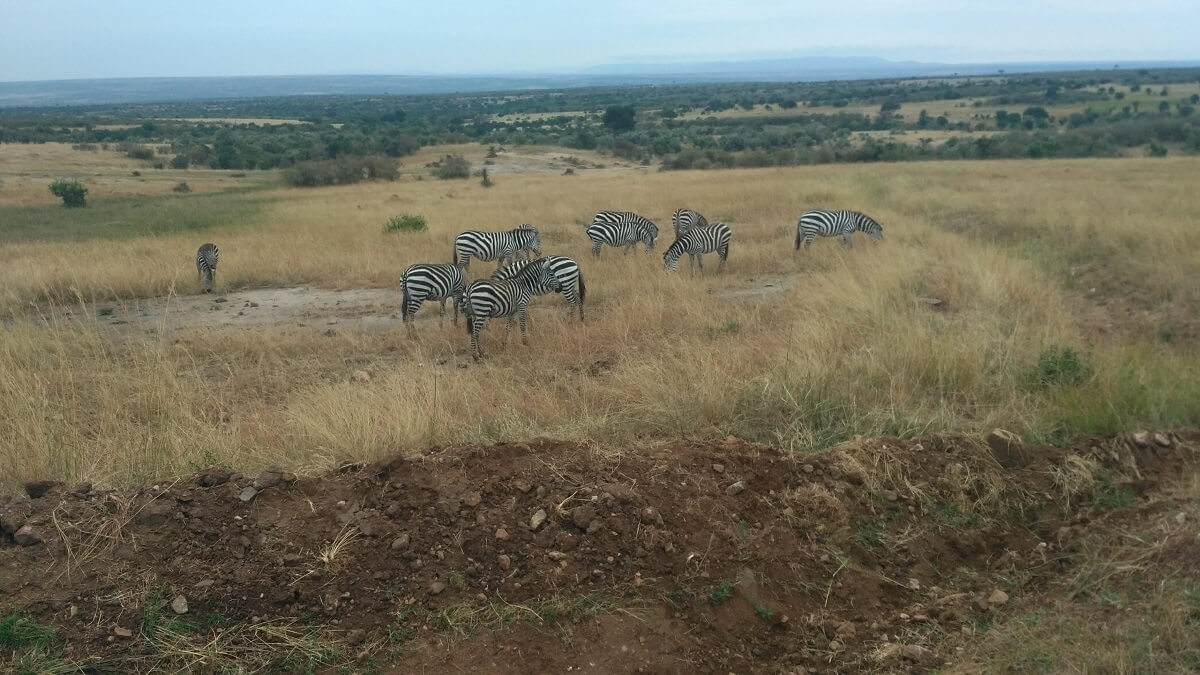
[72,192]
[181,187]
[1060,366]
[341,171]
[405,223]
[139,152]
[452,166]
[180,162]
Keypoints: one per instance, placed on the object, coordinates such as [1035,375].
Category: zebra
[685,219]
[835,223]
[566,270]
[206,265]
[486,298]
[621,228]
[423,282]
[698,241]
[501,246]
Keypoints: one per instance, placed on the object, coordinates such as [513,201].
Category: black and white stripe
[501,246]
[562,268]
[833,224]
[685,219]
[485,299]
[206,265]
[621,228]
[698,241]
[423,282]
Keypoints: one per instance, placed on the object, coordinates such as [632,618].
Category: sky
[76,39]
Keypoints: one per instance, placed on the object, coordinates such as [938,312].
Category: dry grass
[838,345]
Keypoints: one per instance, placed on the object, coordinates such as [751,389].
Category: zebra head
[536,274]
[672,254]
[649,235]
[530,238]
[871,228]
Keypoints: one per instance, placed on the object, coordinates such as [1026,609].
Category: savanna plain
[790,466]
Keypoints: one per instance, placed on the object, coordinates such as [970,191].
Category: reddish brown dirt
[872,556]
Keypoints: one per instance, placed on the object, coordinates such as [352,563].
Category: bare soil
[880,555]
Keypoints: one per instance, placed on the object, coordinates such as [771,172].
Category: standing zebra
[834,223]
[485,299]
[698,241]
[501,246]
[621,228]
[423,282]
[206,265]
[566,270]
[685,219]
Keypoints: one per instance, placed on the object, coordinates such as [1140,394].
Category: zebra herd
[519,276]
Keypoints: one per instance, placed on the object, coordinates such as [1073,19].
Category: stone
[1162,440]
[436,588]
[26,536]
[582,516]
[81,490]
[273,476]
[736,489]
[36,489]
[809,468]
[1008,448]
[557,555]
[718,468]
[1141,438]
[501,534]
[916,653]
[401,542]
[845,631]
[204,583]
[504,561]
[248,493]
[997,598]
[213,477]
[179,605]
[537,519]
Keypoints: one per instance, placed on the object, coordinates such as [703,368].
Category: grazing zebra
[206,265]
[685,219]
[566,270]
[423,282]
[698,241]
[501,246]
[834,223]
[621,228]
[485,299]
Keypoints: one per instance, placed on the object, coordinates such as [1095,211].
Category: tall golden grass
[837,345]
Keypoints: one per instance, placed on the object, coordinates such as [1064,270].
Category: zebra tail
[798,237]
[404,296]
[582,288]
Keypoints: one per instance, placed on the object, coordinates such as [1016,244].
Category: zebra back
[207,255]
[714,238]
[685,219]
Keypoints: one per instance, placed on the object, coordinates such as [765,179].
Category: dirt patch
[548,556]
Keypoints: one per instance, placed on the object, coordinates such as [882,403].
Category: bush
[180,162]
[452,166]
[1060,366]
[139,152]
[181,187]
[405,223]
[341,171]
[72,192]
[487,181]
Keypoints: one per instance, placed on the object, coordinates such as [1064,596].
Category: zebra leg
[476,325]
[596,249]
[723,253]
[848,240]
[808,240]
[629,247]
[442,313]
[521,319]
[508,322]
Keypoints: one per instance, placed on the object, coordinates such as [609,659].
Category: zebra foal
[206,265]
[485,299]
[501,246]
[698,241]
[621,228]
[423,282]
[566,270]
[813,224]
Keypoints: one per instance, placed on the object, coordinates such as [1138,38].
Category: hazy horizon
[138,38]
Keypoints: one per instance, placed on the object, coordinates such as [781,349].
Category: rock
[204,584]
[1181,518]
[914,584]
[1008,448]
[595,526]
[523,485]
[155,513]
[651,515]
[36,489]
[582,516]
[273,476]
[122,632]
[731,440]
[718,468]
[436,588]
[1162,440]
[845,631]
[179,605]
[214,477]
[809,468]
[248,493]
[736,488]
[997,598]
[26,536]
[890,495]
[916,653]
[537,520]
[501,534]
[557,555]
[81,490]
[361,376]
[1141,438]
[834,645]
[504,561]
[401,542]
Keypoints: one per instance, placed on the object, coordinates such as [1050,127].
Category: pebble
[915,652]
[248,493]
[122,632]
[504,561]
[809,468]
[436,588]
[736,488]
[719,468]
[501,534]
[557,555]
[179,605]
[997,598]
[400,542]
[26,536]
[538,519]
[1162,440]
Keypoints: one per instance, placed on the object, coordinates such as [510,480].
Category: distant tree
[619,118]
[1164,107]
[889,106]
[453,166]
[180,162]
[1195,98]
[1119,95]
[72,192]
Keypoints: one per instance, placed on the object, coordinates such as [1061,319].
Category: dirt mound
[548,556]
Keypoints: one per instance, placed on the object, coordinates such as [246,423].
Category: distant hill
[144,90]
